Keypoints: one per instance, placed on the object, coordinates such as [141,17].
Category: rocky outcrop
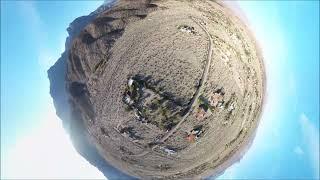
[159,89]
[72,121]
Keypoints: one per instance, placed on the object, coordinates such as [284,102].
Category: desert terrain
[166,88]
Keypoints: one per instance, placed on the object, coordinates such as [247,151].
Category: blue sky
[287,141]
[32,39]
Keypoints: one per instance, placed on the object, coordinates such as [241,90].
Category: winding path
[193,102]
[199,90]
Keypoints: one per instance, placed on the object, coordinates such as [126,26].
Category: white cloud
[46,152]
[35,24]
[298,150]
[311,137]
[46,59]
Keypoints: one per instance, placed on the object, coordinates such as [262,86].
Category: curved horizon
[287,135]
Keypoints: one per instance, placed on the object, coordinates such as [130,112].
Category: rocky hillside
[159,89]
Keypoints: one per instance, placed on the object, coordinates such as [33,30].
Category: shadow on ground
[73,125]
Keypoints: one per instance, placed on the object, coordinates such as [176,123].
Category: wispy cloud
[39,33]
[45,59]
[35,24]
[297,150]
[311,137]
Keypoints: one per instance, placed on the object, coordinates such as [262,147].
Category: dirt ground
[167,89]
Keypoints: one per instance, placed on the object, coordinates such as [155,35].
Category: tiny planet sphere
[162,89]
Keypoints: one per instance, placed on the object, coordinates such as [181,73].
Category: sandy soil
[167,89]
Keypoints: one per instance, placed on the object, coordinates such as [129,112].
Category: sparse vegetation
[155,92]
